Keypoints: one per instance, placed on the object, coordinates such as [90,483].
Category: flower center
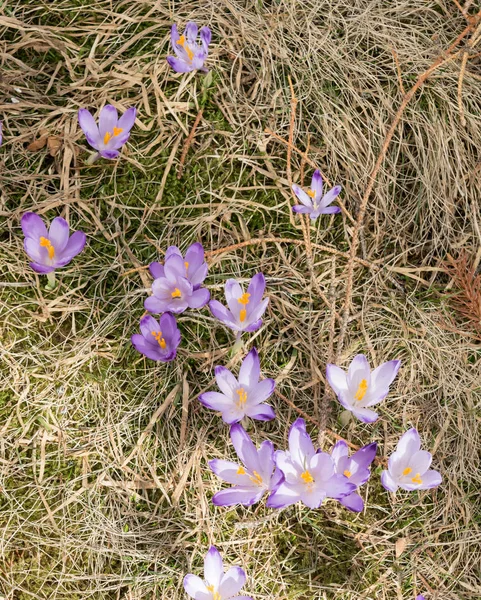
[160,340]
[347,473]
[242,397]
[46,243]
[311,193]
[241,471]
[307,477]
[181,42]
[211,588]
[406,471]
[108,136]
[417,479]
[176,293]
[257,479]
[244,300]
[361,390]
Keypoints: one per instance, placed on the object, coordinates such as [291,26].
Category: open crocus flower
[253,478]
[173,291]
[52,249]
[195,269]
[408,466]
[112,132]
[245,308]
[244,397]
[159,339]
[359,388]
[313,203]
[217,585]
[190,56]
[309,476]
[355,469]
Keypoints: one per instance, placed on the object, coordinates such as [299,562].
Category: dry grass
[105,486]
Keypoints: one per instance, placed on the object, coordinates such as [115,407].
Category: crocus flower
[52,249]
[111,133]
[420,597]
[253,478]
[159,339]
[172,290]
[359,388]
[313,203]
[195,267]
[309,476]
[408,466]
[245,308]
[355,469]
[217,585]
[244,397]
[190,56]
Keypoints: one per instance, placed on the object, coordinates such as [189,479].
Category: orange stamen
[46,243]
[181,42]
[361,390]
[160,340]
[176,293]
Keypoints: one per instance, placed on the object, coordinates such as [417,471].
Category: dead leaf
[37,144]
[53,144]
[400,546]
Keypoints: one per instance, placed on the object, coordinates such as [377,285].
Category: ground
[105,488]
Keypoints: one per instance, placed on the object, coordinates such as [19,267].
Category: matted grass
[103,495]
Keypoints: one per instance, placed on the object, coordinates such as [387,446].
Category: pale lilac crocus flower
[359,388]
[245,309]
[195,266]
[355,469]
[111,134]
[172,291]
[244,397]
[190,56]
[309,476]
[313,203]
[52,249]
[159,339]
[250,480]
[408,466]
[216,585]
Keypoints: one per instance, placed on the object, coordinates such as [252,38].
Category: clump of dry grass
[103,456]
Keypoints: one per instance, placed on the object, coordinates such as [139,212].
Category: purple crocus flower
[313,203]
[52,249]
[244,397]
[309,476]
[111,133]
[172,290]
[190,56]
[216,585]
[245,308]
[253,478]
[420,597]
[355,469]
[359,388]
[195,269]
[408,466]
[159,339]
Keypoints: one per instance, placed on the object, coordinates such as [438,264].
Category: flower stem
[51,283]
[92,158]
[238,343]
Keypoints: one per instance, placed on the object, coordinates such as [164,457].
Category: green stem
[238,343]
[92,158]
[51,283]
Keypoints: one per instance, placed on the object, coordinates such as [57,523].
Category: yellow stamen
[176,293]
[186,265]
[215,595]
[417,479]
[242,315]
[307,477]
[406,471]
[361,390]
[45,243]
[241,471]
[347,473]
[160,340]
[311,193]
[244,299]
[107,137]
[242,397]
[117,130]
[181,42]
[257,479]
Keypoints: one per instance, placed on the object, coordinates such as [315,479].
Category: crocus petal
[331,196]
[257,312]
[261,412]
[286,465]
[89,127]
[313,498]
[431,479]
[261,391]
[316,183]
[127,120]
[220,312]
[215,401]
[298,208]
[75,245]
[154,305]
[300,443]
[156,270]
[147,325]
[302,196]
[196,588]
[58,234]
[339,486]
[41,268]
[213,567]
[420,461]
[233,414]
[199,298]
[33,226]
[365,415]
[340,450]
[283,496]
[364,457]
[337,378]
[353,502]
[232,290]
[245,448]
[254,326]
[109,154]
[409,443]
[247,496]
[256,289]
[34,250]
[229,471]
[190,32]
[330,210]
[383,376]
[108,119]
[388,482]
[179,65]
[265,454]
[232,582]
[321,466]
[148,350]
[250,370]
[358,370]
[226,381]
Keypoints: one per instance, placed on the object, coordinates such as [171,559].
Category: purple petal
[303,198]
[250,370]
[365,415]
[246,496]
[179,65]
[383,376]
[316,183]
[232,582]
[340,450]
[190,32]
[339,486]
[89,127]
[283,496]
[75,245]
[322,466]
[127,121]
[148,350]
[353,502]
[196,588]
[261,412]
[41,268]
[358,370]
[262,391]
[388,482]
[205,37]
[220,312]
[199,298]
[109,154]
[330,210]
[213,567]
[331,196]
[337,378]
[409,443]
[215,401]
[154,305]
[108,119]
[147,325]
[365,455]
[34,250]
[33,226]
[229,471]
[254,326]
[298,208]
[420,461]
[256,289]
[300,443]
[431,479]
[226,381]
[58,234]
[313,497]
[156,270]
[245,448]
